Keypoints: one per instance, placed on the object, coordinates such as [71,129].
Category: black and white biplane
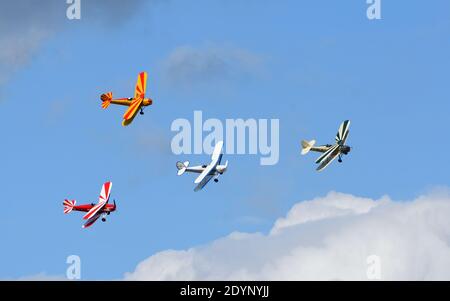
[330,152]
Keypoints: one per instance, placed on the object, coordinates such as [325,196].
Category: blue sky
[313,65]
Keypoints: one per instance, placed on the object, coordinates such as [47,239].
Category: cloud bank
[328,238]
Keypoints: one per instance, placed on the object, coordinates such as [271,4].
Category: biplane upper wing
[141,85]
[92,220]
[342,134]
[217,153]
[329,158]
[106,191]
[102,200]
[208,173]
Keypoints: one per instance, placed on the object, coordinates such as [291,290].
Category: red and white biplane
[94,211]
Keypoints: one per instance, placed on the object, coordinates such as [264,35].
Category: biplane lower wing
[92,220]
[203,182]
[335,151]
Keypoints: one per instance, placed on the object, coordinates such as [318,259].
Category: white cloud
[26,24]
[333,205]
[324,239]
[18,47]
[188,65]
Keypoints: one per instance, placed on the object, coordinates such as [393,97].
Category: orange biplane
[134,104]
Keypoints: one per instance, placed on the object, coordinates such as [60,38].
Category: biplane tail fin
[106,99]
[182,166]
[68,205]
[307,145]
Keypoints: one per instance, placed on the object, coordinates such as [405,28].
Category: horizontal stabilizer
[106,99]
[68,205]
[182,167]
[307,145]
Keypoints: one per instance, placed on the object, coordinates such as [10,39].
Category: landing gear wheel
[340,160]
[216,180]
[103,219]
[141,112]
